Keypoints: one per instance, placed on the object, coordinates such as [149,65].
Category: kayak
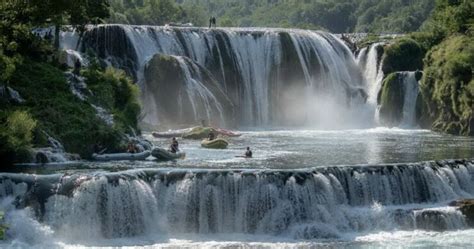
[217,143]
[162,154]
[122,156]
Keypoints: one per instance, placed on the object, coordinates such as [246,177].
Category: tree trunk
[56,35]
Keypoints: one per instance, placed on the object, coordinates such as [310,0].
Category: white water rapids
[329,203]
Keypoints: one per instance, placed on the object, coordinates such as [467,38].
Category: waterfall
[306,204]
[271,76]
[197,91]
[369,59]
[411,90]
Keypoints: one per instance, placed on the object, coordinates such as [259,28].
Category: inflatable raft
[162,154]
[122,156]
[217,143]
[227,133]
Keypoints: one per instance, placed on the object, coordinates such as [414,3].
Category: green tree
[452,16]
[77,13]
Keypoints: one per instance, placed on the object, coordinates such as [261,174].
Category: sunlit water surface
[293,149]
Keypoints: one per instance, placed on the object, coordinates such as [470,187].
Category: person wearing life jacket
[174,147]
[248,153]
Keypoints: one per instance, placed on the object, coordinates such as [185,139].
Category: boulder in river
[466,206]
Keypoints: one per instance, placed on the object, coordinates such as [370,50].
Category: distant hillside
[378,16]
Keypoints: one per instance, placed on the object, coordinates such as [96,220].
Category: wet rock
[77,85]
[404,218]
[199,133]
[52,155]
[316,231]
[111,42]
[466,206]
[171,80]
[418,75]
[10,95]
[431,220]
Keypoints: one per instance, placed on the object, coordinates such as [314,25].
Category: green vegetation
[16,134]
[448,86]
[390,100]
[3,227]
[64,116]
[29,65]
[158,12]
[333,15]
[113,90]
[404,54]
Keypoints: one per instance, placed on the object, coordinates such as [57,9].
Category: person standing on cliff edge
[212,21]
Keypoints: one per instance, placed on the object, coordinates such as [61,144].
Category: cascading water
[411,90]
[369,60]
[271,76]
[197,91]
[317,203]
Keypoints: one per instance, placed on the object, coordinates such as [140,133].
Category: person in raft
[211,136]
[174,147]
[248,153]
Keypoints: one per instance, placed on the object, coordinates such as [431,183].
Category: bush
[404,54]
[16,135]
[113,90]
[427,40]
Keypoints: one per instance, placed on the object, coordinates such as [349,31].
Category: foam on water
[153,206]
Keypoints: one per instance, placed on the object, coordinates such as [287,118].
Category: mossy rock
[391,99]
[447,86]
[403,55]
[199,133]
